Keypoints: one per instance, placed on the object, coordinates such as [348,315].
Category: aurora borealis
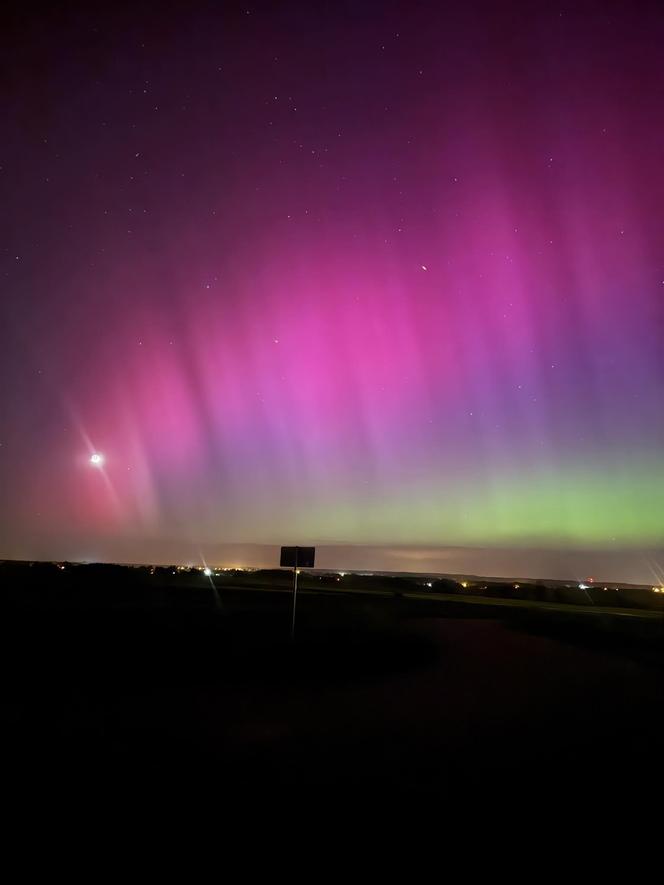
[384,274]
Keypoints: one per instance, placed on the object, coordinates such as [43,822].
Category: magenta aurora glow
[387,277]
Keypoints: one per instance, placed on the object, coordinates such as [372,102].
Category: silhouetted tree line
[99,584]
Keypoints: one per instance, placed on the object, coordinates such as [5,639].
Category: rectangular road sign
[297,557]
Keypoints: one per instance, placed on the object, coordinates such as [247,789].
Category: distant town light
[583,586]
[207,572]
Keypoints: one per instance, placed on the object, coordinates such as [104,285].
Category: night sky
[382,274]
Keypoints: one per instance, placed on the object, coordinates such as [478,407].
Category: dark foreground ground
[379,701]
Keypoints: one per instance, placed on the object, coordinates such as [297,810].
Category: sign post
[296,557]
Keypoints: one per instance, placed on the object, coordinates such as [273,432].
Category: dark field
[380,699]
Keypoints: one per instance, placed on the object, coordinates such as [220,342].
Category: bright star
[96,459]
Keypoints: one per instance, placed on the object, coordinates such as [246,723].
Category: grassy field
[389,694]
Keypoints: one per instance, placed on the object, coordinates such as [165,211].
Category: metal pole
[294,596]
